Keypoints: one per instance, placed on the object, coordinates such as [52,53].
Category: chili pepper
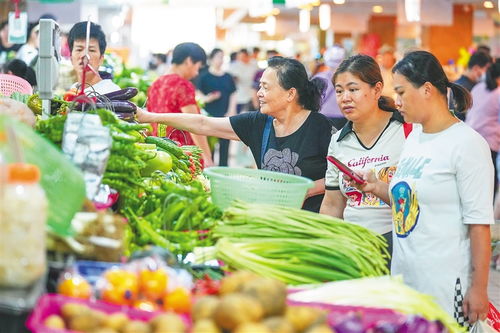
[120,136]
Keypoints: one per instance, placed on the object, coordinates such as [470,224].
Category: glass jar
[23,216]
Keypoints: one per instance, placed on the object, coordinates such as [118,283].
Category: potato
[303,317]
[205,326]
[98,317]
[116,321]
[234,282]
[168,323]
[83,323]
[236,309]
[252,328]
[269,292]
[278,325]
[204,307]
[104,330]
[69,310]
[54,321]
[136,326]
[323,328]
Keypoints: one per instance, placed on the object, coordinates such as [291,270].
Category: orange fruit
[74,286]
[179,300]
[153,283]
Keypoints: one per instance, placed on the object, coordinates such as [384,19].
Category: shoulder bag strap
[265,139]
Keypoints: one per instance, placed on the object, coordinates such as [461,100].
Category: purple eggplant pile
[116,101]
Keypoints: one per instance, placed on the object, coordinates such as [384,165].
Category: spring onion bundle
[296,246]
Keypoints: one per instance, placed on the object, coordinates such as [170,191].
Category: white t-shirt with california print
[443,183]
[366,209]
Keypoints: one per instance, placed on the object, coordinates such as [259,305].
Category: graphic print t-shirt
[302,153]
[366,209]
[442,183]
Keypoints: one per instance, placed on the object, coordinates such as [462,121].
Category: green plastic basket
[256,186]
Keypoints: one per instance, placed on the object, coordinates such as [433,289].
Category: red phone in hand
[343,168]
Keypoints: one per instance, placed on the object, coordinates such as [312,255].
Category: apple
[162,162]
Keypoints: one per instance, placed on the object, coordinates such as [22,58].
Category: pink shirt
[484,116]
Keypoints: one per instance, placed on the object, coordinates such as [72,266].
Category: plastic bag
[493,318]
[481,326]
[61,180]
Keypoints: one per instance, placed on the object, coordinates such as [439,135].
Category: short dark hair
[214,53]
[480,59]
[492,74]
[292,74]
[367,70]
[484,48]
[19,68]
[419,67]
[188,50]
[79,32]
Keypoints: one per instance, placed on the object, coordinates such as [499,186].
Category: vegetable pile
[163,208]
[296,246]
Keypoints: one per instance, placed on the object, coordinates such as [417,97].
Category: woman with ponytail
[286,135]
[441,193]
[372,139]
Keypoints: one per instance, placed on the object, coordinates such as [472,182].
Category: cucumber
[171,148]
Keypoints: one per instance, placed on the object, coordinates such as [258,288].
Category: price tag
[18,28]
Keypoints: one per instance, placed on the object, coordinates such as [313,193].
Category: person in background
[386,60]
[333,56]
[219,90]
[287,135]
[159,63]
[19,68]
[243,71]
[372,139]
[476,68]
[484,48]
[96,48]
[29,51]
[484,115]
[441,193]
[173,93]
[7,50]
[255,53]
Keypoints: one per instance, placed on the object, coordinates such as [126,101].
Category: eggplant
[122,95]
[115,105]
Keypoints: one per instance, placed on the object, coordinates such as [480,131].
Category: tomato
[70,95]
[178,300]
[153,283]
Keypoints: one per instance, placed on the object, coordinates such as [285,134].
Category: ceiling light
[377,9]
[412,10]
[341,2]
[271,25]
[488,4]
[325,16]
[304,20]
